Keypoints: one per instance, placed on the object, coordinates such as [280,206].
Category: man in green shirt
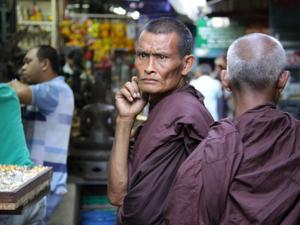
[13,150]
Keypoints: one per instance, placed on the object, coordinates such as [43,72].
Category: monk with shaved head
[247,169]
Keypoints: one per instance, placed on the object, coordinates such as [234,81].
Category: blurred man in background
[47,120]
[225,104]
[208,86]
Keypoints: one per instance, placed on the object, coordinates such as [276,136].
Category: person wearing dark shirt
[141,171]
[247,170]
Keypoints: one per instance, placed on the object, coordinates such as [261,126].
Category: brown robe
[175,126]
[245,172]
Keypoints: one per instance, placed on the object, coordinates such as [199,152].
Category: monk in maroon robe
[141,172]
[247,170]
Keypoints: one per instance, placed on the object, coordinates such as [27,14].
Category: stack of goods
[36,23]
[21,184]
[98,38]
[96,210]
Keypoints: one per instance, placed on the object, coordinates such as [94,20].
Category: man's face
[220,64]
[158,63]
[32,67]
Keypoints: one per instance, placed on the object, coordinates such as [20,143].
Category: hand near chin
[129,100]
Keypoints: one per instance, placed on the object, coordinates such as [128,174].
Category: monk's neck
[250,100]
[155,98]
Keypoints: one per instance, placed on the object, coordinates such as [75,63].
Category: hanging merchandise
[38,19]
[101,37]
[107,44]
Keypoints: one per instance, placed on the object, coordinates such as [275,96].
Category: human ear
[282,80]
[225,80]
[45,64]
[188,62]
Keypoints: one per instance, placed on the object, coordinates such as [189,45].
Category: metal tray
[27,192]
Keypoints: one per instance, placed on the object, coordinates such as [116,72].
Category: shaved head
[255,61]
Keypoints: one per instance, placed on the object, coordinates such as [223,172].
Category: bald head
[255,61]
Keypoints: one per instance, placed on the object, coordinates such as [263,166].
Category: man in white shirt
[210,87]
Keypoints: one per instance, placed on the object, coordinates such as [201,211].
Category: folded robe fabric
[245,172]
[175,126]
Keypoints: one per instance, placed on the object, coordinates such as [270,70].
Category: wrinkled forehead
[158,42]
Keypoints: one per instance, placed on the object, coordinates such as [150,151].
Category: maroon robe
[175,126]
[245,172]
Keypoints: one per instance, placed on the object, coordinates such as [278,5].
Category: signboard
[212,40]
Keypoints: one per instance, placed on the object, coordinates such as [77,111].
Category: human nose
[23,67]
[150,65]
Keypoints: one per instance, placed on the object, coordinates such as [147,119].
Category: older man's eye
[161,57]
[142,55]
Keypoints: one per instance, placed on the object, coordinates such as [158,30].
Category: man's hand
[129,100]
[129,103]
[23,91]
[15,84]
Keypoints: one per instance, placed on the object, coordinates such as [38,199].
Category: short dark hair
[47,52]
[166,25]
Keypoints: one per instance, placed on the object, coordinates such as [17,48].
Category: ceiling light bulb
[119,11]
[135,15]
[201,3]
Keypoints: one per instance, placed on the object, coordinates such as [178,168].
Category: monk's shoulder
[222,129]
[223,140]
[185,103]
